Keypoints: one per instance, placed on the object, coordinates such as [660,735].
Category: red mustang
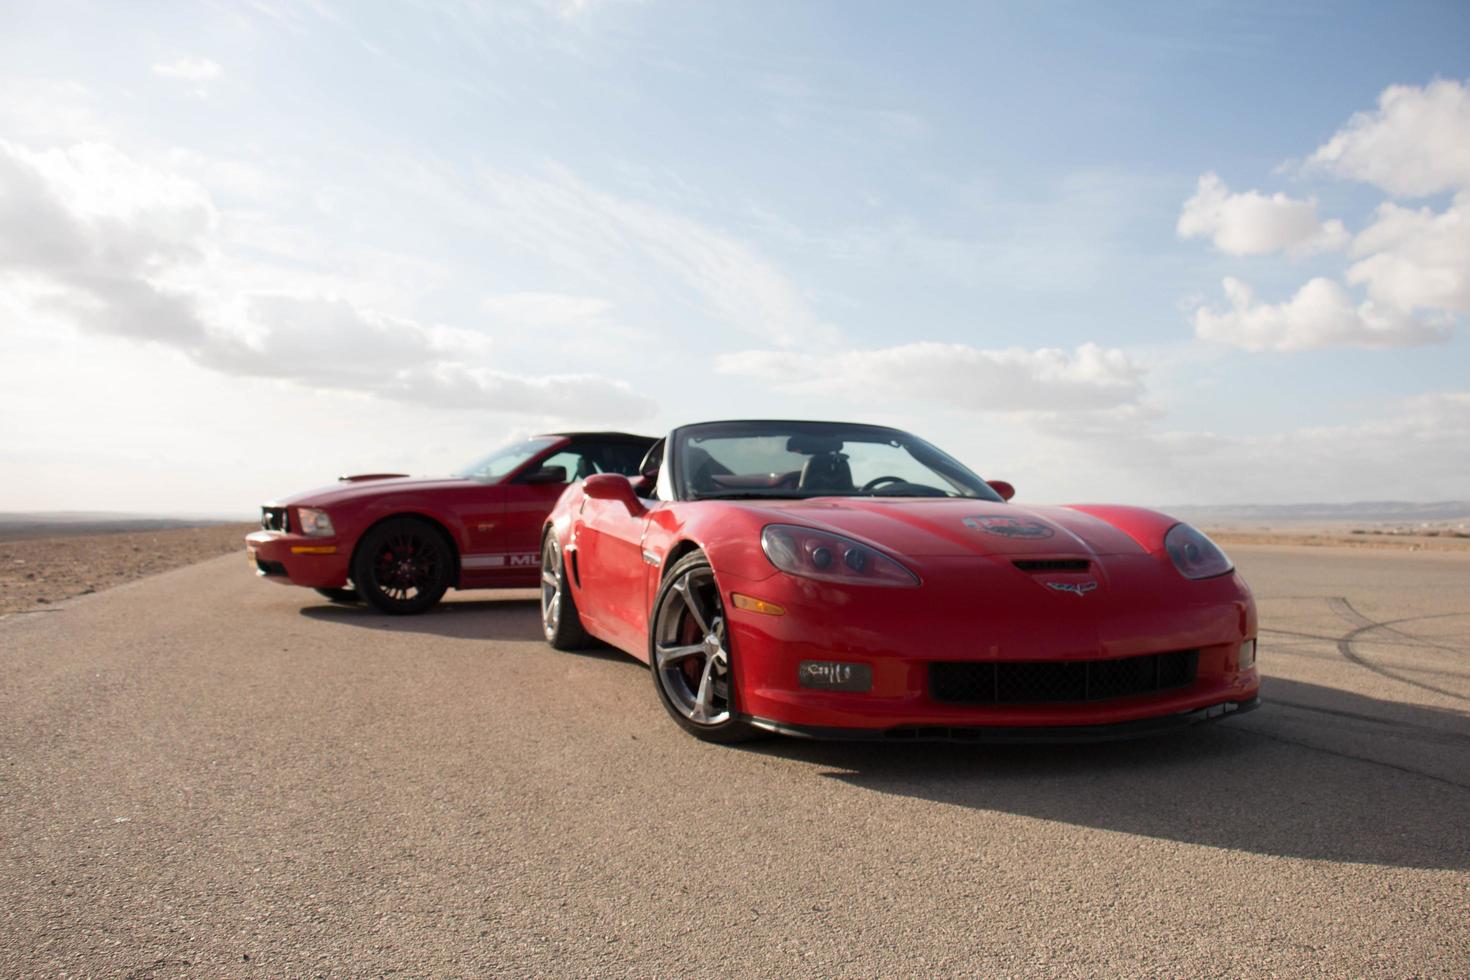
[399,542]
[840,581]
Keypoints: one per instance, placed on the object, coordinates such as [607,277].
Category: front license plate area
[250,555]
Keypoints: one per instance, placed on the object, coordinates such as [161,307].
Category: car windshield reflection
[796,460]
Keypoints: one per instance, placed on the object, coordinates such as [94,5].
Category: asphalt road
[205,774]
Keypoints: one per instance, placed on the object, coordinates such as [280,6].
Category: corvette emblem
[1076,588]
[1010,527]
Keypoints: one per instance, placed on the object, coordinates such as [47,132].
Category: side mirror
[546,474]
[1003,488]
[613,486]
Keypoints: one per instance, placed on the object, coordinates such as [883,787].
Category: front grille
[1053,681]
[274,519]
[1052,564]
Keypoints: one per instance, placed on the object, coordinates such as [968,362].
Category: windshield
[815,459]
[503,460]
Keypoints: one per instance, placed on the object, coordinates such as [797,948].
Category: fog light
[1247,655]
[832,675]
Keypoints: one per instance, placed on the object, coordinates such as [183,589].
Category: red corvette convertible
[400,542]
[852,581]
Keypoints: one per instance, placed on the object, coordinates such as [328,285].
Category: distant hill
[68,523]
[1363,512]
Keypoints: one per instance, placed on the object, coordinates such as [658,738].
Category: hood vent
[1053,564]
[359,477]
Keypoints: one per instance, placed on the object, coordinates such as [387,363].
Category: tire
[339,595]
[560,622]
[402,566]
[689,654]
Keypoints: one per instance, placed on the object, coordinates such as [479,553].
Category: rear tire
[343,596]
[560,622]
[689,654]
[402,566]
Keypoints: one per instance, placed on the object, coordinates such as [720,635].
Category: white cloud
[1414,265]
[112,246]
[1321,314]
[956,375]
[533,309]
[1407,449]
[638,247]
[189,70]
[1416,143]
[1416,259]
[1250,223]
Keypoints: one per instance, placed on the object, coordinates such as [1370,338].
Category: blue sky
[247,246]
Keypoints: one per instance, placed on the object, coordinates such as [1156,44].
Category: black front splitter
[1118,731]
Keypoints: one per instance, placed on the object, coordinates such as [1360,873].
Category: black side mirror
[546,474]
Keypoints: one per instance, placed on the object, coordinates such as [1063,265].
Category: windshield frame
[923,452]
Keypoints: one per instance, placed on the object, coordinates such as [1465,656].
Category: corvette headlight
[1195,555]
[315,522]
[831,558]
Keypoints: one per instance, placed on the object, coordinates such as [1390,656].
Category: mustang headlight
[315,522]
[1195,555]
[831,557]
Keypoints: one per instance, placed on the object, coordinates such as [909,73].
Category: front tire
[402,566]
[560,623]
[689,654]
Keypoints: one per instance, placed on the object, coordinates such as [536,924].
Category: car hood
[956,528]
[342,492]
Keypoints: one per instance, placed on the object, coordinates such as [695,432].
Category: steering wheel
[881,481]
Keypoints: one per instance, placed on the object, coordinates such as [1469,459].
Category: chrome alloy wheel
[550,587]
[691,651]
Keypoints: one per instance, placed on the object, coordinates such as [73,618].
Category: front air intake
[1059,681]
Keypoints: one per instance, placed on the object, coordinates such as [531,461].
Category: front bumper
[1025,735]
[988,613]
[295,559]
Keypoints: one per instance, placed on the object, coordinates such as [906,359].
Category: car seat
[826,471]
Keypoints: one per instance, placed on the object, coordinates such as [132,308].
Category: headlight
[315,522]
[1195,555]
[831,558]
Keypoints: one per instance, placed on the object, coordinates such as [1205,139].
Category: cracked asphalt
[206,774]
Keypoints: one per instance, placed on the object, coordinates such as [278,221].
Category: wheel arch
[681,548]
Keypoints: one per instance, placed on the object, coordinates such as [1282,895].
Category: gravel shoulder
[44,566]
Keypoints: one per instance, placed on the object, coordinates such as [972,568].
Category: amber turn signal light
[757,605]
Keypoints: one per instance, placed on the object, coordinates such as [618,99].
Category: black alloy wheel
[402,566]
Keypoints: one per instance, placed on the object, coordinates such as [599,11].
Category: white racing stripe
[502,560]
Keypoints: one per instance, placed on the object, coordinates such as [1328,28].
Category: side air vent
[1052,564]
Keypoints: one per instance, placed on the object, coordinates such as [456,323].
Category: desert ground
[202,773]
[46,562]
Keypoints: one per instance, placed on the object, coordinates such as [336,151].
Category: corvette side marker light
[1247,654]
[757,605]
[314,549]
[833,675]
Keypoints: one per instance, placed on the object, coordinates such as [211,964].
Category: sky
[1156,253]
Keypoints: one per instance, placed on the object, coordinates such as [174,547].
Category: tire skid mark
[1298,641]
[1344,609]
[1408,640]
[1273,737]
[1422,732]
